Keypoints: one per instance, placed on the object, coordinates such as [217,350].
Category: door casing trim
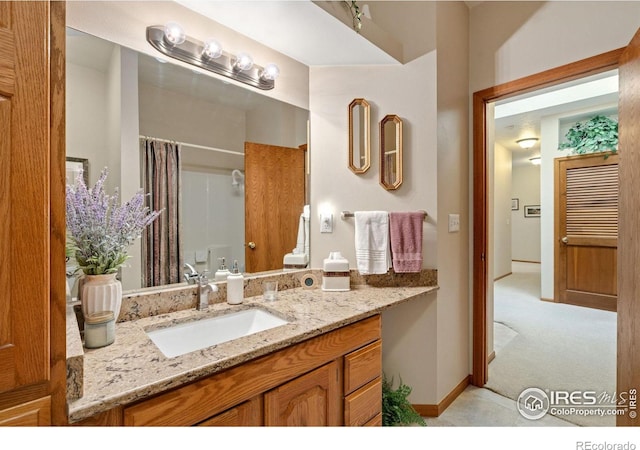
[589,66]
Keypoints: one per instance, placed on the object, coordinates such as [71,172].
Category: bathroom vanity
[322,367]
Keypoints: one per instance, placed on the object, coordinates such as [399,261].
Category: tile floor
[479,407]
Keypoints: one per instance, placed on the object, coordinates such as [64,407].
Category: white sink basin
[191,336]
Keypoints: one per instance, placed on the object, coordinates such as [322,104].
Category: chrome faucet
[192,276]
[204,287]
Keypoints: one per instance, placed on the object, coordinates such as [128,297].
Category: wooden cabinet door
[31,414]
[24,197]
[313,399]
[247,414]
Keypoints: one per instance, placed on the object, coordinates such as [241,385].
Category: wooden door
[274,200]
[586,238]
[313,400]
[628,368]
[24,205]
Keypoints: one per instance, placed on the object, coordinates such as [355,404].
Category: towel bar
[349,214]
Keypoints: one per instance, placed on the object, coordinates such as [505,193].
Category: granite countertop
[133,368]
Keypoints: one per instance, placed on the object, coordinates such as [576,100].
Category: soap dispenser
[235,286]
[222,273]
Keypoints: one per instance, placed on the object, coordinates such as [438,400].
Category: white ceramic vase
[101,293]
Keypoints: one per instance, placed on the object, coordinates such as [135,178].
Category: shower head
[237,178]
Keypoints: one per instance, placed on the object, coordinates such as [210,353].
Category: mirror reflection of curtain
[161,243]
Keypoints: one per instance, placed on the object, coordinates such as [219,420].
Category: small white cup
[270,290]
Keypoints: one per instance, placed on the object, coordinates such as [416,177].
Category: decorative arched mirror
[359,136]
[391,152]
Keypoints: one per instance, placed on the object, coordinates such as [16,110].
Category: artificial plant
[396,408]
[598,134]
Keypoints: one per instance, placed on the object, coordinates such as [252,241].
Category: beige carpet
[550,345]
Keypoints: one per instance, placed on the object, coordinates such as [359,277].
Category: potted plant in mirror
[598,134]
[100,231]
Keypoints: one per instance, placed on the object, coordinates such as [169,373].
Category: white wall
[213,213]
[86,114]
[511,40]
[501,211]
[525,231]
[125,23]
[426,340]
[170,115]
[410,92]
[452,38]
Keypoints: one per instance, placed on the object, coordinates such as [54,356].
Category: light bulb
[270,72]
[243,61]
[174,33]
[212,49]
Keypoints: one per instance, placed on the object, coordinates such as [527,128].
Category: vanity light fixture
[171,40]
[174,33]
[535,160]
[527,143]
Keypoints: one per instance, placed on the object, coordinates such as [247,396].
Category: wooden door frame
[568,72]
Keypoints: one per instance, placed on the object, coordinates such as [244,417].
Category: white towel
[373,252]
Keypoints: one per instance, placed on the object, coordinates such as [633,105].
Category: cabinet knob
[565,240]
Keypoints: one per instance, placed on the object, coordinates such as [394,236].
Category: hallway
[538,344]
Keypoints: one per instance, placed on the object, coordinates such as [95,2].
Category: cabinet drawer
[375,422]
[364,404]
[362,366]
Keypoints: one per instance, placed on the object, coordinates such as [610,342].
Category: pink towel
[405,233]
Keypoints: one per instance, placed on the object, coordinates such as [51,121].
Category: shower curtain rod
[186,144]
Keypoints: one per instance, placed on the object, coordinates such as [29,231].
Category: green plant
[396,409]
[356,14]
[598,134]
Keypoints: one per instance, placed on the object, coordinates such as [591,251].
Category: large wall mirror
[359,136]
[391,152]
[212,122]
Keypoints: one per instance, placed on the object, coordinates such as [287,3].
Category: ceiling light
[212,49]
[170,40]
[270,72]
[174,33]
[527,142]
[243,62]
[535,160]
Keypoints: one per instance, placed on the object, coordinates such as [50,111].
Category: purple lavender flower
[99,229]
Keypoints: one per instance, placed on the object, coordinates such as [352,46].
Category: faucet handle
[202,277]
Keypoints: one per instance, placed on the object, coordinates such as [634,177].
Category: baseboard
[491,356]
[547,300]
[436,410]
[524,261]
[502,276]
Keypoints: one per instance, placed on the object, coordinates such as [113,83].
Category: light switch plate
[326,223]
[454,223]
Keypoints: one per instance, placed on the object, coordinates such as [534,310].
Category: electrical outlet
[326,223]
[454,223]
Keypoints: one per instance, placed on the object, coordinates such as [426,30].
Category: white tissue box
[335,273]
[294,261]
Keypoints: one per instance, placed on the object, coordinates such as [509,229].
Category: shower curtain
[161,243]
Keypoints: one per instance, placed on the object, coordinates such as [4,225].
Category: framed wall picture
[515,204]
[76,166]
[532,211]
